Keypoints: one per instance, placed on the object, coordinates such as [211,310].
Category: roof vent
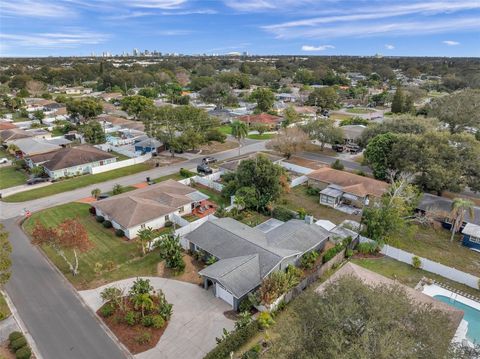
[309,219]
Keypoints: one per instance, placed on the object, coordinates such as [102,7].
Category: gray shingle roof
[430,202]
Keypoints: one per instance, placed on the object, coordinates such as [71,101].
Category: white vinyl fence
[207,181]
[121,164]
[296,168]
[430,266]
[298,181]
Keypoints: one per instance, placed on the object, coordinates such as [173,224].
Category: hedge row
[18,345]
[234,341]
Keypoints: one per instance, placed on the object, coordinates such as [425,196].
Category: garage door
[223,294]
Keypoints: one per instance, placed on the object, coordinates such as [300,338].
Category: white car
[3,160]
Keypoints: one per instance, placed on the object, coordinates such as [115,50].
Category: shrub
[18,343]
[23,353]
[168,224]
[234,341]
[143,338]
[312,191]
[349,253]
[368,247]
[185,173]
[158,321]
[301,213]
[147,321]
[332,252]
[308,259]
[119,233]
[416,262]
[14,336]
[92,210]
[107,224]
[107,310]
[246,305]
[337,165]
[100,219]
[130,318]
[265,320]
[282,214]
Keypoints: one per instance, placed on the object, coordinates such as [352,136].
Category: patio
[205,208]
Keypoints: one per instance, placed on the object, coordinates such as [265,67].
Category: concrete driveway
[196,321]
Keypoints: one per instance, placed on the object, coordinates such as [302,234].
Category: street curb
[22,325]
[79,297]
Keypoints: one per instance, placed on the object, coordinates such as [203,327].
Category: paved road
[60,324]
[11,210]
[349,165]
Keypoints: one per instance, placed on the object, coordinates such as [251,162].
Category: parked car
[353,149]
[204,169]
[36,180]
[208,160]
[103,196]
[338,148]
[3,160]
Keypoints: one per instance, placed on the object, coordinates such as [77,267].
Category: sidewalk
[22,188]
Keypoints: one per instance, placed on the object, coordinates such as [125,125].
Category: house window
[474,240]
[167,218]
[327,199]
[181,209]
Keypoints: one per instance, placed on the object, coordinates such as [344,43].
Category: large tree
[289,141]
[460,207]
[264,98]
[134,105]
[220,94]
[458,110]
[379,154]
[346,321]
[84,108]
[93,132]
[323,97]
[324,131]
[239,131]
[5,261]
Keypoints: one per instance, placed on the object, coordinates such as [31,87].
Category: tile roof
[350,182]
[142,205]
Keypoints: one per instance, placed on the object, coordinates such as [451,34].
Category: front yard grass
[175,176]
[225,129]
[4,309]
[75,183]
[359,110]
[120,258]
[11,177]
[435,245]
[299,198]
[406,274]
[264,136]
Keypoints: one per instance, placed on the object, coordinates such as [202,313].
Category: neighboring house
[79,90]
[148,145]
[246,255]
[33,146]
[471,236]
[340,187]
[273,122]
[12,134]
[35,104]
[231,166]
[71,161]
[111,96]
[223,115]
[6,126]
[352,133]
[152,206]
[122,122]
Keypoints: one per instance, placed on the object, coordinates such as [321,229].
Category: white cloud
[73,38]
[317,48]
[389,46]
[156,4]
[173,32]
[130,15]
[34,8]
[451,43]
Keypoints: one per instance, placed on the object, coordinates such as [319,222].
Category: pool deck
[461,334]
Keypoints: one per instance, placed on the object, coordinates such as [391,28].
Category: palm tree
[239,131]
[96,192]
[459,209]
[142,301]
[145,236]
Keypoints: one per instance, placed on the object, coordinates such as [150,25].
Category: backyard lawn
[406,274]
[11,177]
[435,244]
[120,258]
[214,195]
[75,183]
[252,218]
[120,157]
[299,198]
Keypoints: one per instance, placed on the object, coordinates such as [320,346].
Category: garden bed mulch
[128,335]
[190,274]
[5,352]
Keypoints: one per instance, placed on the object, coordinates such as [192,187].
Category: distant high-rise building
[135,52]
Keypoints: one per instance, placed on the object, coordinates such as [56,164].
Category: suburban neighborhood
[223,204]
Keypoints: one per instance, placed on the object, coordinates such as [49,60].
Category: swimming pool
[471,315]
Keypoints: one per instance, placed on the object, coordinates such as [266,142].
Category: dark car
[103,196]
[204,169]
[338,148]
[208,160]
[36,180]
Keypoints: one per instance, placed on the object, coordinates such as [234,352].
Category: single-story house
[231,166]
[12,134]
[264,118]
[147,145]
[246,255]
[33,146]
[71,161]
[152,206]
[222,114]
[352,133]
[107,96]
[471,236]
[340,187]
[6,126]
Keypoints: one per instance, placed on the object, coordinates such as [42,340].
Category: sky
[263,27]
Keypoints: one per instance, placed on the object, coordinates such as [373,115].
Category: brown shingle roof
[75,156]
[264,118]
[350,182]
[145,204]
[14,134]
[6,126]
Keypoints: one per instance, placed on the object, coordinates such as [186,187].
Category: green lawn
[11,177]
[214,195]
[299,198]
[175,176]
[252,218]
[5,153]
[125,255]
[406,274]
[435,244]
[120,157]
[225,129]
[4,309]
[75,183]
[124,189]
[265,136]
[359,110]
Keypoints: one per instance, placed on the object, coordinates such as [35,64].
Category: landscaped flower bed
[139,318]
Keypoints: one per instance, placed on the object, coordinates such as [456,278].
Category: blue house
[149,145]
[471,236]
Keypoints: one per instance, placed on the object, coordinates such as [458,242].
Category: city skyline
[263,27]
